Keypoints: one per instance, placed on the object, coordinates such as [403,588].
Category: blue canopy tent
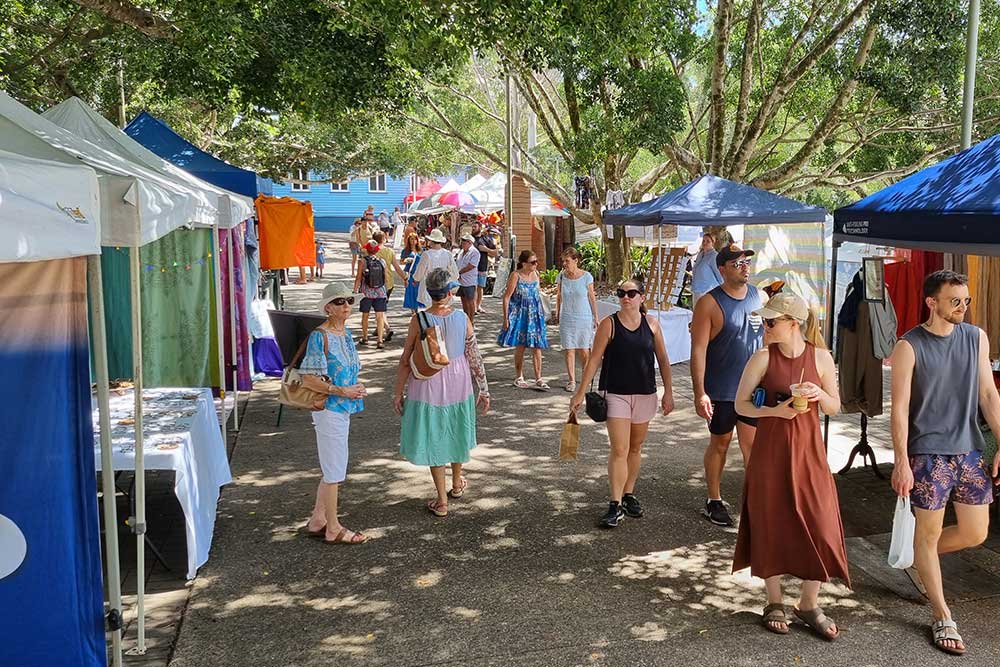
[711,200]
[158,137]
[952,206]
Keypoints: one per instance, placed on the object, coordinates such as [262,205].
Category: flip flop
[818,622]
[434,507]
[356,538]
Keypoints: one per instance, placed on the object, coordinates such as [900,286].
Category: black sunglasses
[533,261]
[630,293]
[340,301]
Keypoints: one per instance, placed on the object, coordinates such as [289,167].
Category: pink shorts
[637,408]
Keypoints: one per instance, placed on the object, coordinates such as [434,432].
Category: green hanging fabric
[117,312]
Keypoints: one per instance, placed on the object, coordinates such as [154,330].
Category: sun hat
[438,282]
[335,291]
[785,304]
[437,236]
[468,237]
[731,252]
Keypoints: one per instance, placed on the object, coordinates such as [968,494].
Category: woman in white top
[435,257]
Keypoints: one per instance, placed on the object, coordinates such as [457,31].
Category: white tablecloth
[182,434]
[676,325]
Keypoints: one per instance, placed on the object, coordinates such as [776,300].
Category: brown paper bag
[570,440]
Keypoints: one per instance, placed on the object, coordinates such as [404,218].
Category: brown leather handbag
[429,353]
[293,392]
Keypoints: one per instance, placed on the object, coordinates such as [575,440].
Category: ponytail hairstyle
[812,333]
[639,285]
[523,258]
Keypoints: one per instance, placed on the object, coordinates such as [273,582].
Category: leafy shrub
[548,276]
[594,259]
[641,257]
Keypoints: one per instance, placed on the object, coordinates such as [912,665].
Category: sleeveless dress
[410,294]
[790,522]
[527,319]
[439,415]
[576,321]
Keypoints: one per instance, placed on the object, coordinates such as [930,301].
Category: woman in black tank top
[625,347]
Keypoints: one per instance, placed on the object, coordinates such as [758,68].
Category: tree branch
[746,81]
[717,114]
[121,11]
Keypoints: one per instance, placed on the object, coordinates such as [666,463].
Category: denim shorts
[961,478]
[481,279]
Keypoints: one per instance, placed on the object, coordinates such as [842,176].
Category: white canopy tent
[73,115]
[472,183]
[137,206]
[222,209]
[51,210]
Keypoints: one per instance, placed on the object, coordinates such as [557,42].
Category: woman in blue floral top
[331,366]
[524,320]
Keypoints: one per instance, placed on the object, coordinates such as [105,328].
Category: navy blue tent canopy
[952,206]
[711,200]
[158,137]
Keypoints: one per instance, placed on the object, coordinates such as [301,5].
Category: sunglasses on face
[956,302]
[532,261]
[771,322]
[740,264]
[630,293]
[340,301]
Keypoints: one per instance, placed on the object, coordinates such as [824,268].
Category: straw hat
[335,291]
[469,238]
[437,236]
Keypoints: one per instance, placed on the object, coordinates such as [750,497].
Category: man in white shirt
[468,275]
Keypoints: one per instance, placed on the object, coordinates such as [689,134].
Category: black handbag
[597,405]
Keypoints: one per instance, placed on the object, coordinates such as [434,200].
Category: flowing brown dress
[790,523]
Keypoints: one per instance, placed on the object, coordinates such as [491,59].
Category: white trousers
[332,429]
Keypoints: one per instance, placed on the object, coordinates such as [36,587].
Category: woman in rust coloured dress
[790,524]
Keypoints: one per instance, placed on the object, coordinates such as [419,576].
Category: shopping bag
[570,440]
[903,525]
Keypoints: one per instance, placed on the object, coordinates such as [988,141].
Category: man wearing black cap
[724,335]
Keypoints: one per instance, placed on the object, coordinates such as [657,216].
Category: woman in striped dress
[439,414]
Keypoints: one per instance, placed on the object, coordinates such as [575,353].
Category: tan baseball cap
[785,304]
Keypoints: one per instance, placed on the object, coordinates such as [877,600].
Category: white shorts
[332,429]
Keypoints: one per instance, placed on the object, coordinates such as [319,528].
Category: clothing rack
[864,449]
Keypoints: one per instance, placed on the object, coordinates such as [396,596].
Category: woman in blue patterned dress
[524,320]
[438,427]
[410,256]
[576,313]
[330,353]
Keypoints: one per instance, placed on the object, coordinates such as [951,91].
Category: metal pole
[139,524]
[509,199]
[99,345]
[831,318]
[232,327]
[969,93]
[217,282]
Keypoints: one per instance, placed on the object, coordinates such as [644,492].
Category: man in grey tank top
[941,377]
[724,335]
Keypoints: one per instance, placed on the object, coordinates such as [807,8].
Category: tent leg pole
[831,318]
[217,270]
[139,525]
[231,248]
[100,346]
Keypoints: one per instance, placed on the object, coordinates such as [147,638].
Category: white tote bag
[903,525]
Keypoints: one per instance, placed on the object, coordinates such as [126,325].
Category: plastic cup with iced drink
[799,400]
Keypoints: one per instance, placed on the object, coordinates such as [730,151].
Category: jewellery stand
[864,449]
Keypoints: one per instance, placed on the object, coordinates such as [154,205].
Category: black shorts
[724,418]
[379,305]
[467,292]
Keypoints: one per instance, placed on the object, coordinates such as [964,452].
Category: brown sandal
[356,538]
[818,622]
[774,614]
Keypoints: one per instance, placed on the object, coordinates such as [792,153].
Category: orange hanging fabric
[287,233]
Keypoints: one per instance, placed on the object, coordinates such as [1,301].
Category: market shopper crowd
[759,368]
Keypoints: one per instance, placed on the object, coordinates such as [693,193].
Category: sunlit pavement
[518,574]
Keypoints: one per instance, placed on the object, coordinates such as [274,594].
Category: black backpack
[374,272]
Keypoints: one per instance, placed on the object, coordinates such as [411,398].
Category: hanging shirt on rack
[866,334]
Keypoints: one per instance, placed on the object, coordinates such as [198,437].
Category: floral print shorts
[938,478]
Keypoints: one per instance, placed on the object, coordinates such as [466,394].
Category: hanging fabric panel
[233,238]
[286,233]
[50,560]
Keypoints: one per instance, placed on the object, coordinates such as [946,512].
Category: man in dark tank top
[725,333]
[941,378]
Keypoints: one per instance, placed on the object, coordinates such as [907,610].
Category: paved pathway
[518,574]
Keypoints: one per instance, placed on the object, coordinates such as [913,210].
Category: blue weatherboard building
[336,205]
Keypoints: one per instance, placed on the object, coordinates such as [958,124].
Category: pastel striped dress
[439,414]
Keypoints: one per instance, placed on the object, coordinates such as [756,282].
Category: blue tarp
[952,206]
[158,137]
[710,200]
